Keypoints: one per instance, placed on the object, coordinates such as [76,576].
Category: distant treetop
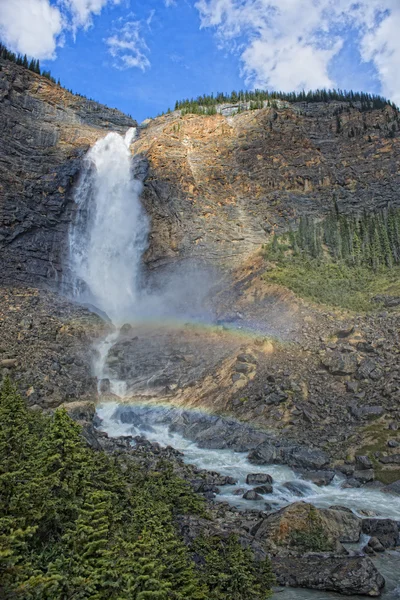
[206,104]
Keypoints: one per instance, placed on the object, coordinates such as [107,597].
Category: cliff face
[217,186]
[44,132]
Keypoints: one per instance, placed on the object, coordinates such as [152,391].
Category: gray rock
[254,478]
[363,462]
[338,363]
[392,488]
[364,476]
[264,489]
[367,412]
[384,530]
[391,459]
[393,444]
[251,495]
[376,545]
[320,478]
[346,575]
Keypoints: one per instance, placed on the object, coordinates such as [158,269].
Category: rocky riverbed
[313,547]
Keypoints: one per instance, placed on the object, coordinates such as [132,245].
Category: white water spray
[110,233]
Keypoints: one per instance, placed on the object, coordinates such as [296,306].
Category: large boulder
[315,529]
[384,530]
[346,575]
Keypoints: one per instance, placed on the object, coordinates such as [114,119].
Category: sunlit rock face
[218,186]
[44,133]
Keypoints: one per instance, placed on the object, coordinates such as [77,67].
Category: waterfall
[110,231]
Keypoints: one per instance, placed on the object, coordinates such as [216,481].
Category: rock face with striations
[44,132]
[217,186]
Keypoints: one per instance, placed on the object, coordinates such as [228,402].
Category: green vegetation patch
[334,284]
[313,537]
[342,261]
[76,523]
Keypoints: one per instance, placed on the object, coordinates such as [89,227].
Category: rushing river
[227,462]
[235,464]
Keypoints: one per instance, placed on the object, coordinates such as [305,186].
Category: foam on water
[236,464]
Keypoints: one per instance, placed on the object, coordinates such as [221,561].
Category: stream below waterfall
[235,464]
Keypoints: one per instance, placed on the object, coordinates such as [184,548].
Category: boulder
[334,524]
[307,459]
[363,462]
[254,478]
[364,476]
[346,575]
[251,495]
[392,488]
[320,478]
[264,489]
[386,531]
[376,545]
[341,523]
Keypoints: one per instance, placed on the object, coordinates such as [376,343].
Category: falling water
[109,235]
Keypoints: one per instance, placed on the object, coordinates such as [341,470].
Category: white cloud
[169,3]
[289,44]
[128,48]
[35,27]
[31,27]
[82,11]
[382,46]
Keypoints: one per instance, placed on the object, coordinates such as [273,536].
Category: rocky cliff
[44,132]
[217,186]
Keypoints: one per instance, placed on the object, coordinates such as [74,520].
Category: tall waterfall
[110,231]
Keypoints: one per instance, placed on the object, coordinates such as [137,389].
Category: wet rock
[239,491]
[254,478]
[320,478]
[376,545]
[251,495]
[385,530]
[364,476]
[297,488]
[105,386]
[392,488]
[264,489]
[346,575]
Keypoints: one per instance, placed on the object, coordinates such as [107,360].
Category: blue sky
[141,57]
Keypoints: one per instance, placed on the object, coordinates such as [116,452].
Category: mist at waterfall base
[109,237]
